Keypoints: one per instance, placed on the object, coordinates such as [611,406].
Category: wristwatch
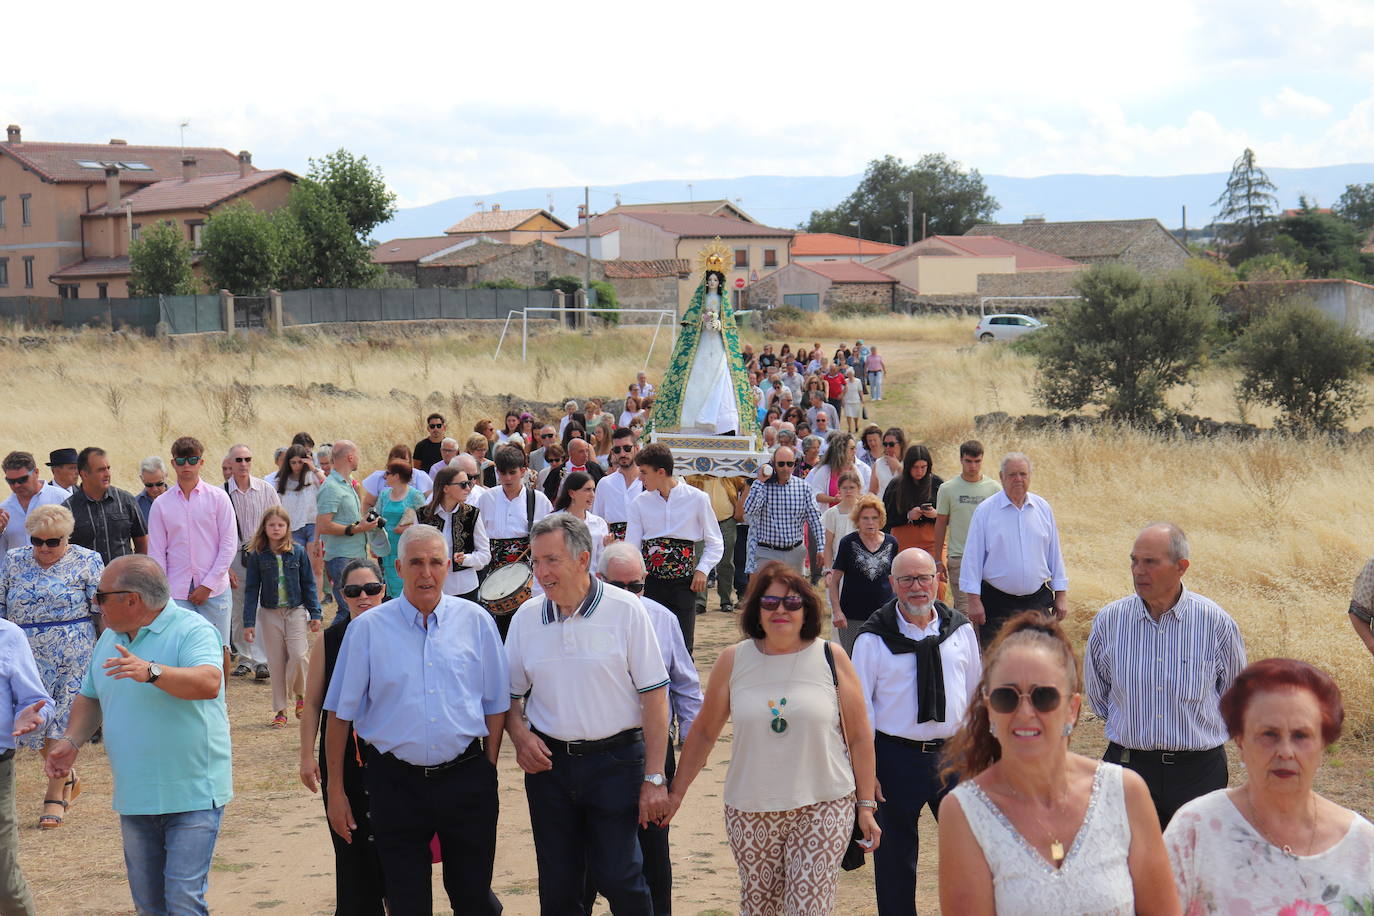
[654,779]
[154,672]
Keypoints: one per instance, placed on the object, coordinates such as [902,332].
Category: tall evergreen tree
[1246,209]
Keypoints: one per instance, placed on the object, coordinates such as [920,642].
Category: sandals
[300,706]
[279,721]
[52,821]
[72,788]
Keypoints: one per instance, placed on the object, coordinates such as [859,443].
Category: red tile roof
[404,251]
[845,272]
[197,194]
[683,225]
[59,161]
[644,270]
[814,244]
[94,267]
[601,225]
[500,221]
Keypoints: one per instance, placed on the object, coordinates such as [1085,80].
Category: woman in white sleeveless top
[790,801]
[1032,828]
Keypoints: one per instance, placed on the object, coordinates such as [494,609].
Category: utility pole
[923,227]
[1185,225]
[910,215]
[587,243]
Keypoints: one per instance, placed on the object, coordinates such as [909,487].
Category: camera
[372,515]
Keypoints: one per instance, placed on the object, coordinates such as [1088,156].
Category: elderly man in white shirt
[918,663]
[1012,561]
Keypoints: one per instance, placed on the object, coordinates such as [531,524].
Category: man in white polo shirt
[585,662]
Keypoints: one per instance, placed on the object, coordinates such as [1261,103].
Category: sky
[464,98]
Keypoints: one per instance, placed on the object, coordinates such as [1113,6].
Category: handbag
[853,853]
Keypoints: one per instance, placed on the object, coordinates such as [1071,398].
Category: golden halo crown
[714,256]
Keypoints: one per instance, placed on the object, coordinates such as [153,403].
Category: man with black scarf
[919,665]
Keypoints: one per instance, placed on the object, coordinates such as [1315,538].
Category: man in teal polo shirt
[156,684]
[340,522]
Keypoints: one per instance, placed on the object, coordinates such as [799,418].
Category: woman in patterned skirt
[49,589]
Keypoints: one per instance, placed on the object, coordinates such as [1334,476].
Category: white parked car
[1005,327]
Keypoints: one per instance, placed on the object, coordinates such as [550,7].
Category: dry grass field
[1279,529]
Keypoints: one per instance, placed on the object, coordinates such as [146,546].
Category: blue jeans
[304,534]
[333,568]
[875,386]
[216,609]
[168,860]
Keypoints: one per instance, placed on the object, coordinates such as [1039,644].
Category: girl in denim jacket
[281,584]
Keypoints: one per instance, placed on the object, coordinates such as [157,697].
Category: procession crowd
[540,579]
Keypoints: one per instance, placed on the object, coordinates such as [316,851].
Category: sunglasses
[436,426]
[160,485]
[889,445]
[636,587]
[242,460]
[465,484]
[101,596]
[622,449]
[1007,699]
[546,435]
[790,602]
[784,464]
[370,588]
[908,581]
[192,460]
[45,542]
[18,481]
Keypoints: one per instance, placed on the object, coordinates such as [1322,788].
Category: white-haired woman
[49,590]
[853,401]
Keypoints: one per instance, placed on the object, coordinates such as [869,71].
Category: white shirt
[1015,550]
[889,681]
[684,684]
[372,483]
[299,504]
[597,527]
[507,518]
[613,496]
[462,581]
[686,515]
[436,467]
[819,479]
[581,676]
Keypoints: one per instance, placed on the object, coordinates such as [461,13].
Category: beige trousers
[282,635]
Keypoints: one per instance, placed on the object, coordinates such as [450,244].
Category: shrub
[782,321]
[606,298]
[1307,365]
[860,310]
[566,285]
[1124,343]
[503,283]
[1271,267]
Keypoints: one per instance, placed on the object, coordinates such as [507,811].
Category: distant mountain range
[787,201]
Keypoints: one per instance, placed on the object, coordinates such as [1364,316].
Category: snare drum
[506,589]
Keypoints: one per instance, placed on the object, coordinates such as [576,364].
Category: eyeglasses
[160,485]
[636,587]
[101,596]
[243,460]
[369,588]
[784,464]
[18,481]
[1007,699]
[622,449]
[889,445]
[465,484]
[45,542]
[192,460]
[790,602]
[436,426]
[908,581]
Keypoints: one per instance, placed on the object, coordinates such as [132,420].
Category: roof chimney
[495,208]
[189,169]
[13,132]
[245,163]
[115,141]
[111,188]
[1034,219]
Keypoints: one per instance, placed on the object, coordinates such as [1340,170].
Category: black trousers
[408,808]
[1001,606]
[910,777]
[358,888]
[677,596]
[1174,778]
[658,865]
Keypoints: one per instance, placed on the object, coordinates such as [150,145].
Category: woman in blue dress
[395,497]
[49,590]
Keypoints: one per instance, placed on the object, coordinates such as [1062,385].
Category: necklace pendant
[1056,851]
[778,725]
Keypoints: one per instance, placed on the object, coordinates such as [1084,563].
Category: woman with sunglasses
[575,497]
[888,462]
[461,523]
[48,589]
[357,870]
[790,802]
[1033,828]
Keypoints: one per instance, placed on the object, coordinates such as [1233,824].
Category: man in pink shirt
[875,367]
[192,536]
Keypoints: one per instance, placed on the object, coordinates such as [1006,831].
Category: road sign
[739,284]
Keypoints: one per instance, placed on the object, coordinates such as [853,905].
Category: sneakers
[727,608]
[260,672]
[241,670]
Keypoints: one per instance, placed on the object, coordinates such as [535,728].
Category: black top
[108,527]
[428,453]
[865,586]
[896,511]
[352,769]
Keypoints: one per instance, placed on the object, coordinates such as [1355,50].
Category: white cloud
[1290,103]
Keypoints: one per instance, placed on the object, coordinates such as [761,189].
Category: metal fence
[192,314]
[44,312]
[322,306]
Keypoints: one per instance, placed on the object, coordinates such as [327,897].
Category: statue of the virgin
[706,390]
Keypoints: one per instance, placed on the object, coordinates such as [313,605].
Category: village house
[1140,243]
[828,246]
[514,227]
[821,285]
[943,265]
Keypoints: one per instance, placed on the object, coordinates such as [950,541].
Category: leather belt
[1167,758]
[925,747]
[474,750]
[781,549]
[587,748]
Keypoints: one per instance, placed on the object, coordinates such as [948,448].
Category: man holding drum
[509,511]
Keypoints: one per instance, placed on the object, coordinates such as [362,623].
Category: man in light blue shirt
[423,680]
[24,706]
[156,682]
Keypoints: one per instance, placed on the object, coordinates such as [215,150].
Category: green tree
[319,248]
[606,298]
[358,187]
[1307,365]
[1272,266]
[1124,343]
[160,263]
[567,285]
[241,250]
[1327,244]
[1245,210]
[1357,205]
[952,200]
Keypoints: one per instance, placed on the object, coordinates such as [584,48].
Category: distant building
[405,257]
[67,210]
[1140,243]
[828,246]
[955,264]
[699,207]
[821,285]
[515,227]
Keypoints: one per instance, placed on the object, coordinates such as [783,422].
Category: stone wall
[1028,283]
[857,294]
[648,293]
[910,302]
[1155,252]
[764,294]
[534,265]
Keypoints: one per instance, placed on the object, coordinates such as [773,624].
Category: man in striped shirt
[1157,664]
